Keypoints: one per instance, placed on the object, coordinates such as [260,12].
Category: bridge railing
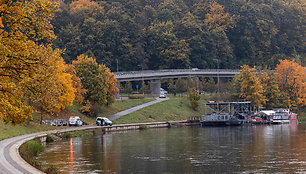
[124,73]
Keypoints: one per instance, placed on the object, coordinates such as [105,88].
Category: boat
[282,116]
[226,113]
[257,120]
[220,120]
[260,118]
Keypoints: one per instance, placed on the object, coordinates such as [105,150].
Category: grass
[171,110]
[29,152]
[121,105]
[8,131]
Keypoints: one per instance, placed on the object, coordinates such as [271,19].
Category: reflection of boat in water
[227,113]
[282,116]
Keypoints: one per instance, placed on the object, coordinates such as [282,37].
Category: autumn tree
[77,84]
[96,79]
[275,98]
[251,88]
[111,85]
[53,86]
[291,78]
[25,31]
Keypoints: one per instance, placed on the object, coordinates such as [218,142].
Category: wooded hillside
[155,34]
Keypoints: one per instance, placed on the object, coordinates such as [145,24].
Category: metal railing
[174,72]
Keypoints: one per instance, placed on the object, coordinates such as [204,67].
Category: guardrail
[156,74]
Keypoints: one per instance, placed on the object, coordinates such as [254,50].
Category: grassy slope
[8,131]
[170,110]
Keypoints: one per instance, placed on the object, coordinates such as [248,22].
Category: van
[75,121]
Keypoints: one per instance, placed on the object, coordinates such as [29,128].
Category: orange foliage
[85,5]
[112,83]
[291,78]
[77,84]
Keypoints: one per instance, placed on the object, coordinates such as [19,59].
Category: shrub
[30,150]
[194,98]
[136,96]
[144,127]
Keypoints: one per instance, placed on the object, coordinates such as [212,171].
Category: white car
[103,121]
[163,91]
[75,121]
[162,95]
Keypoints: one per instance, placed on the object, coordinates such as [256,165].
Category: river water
[247,149]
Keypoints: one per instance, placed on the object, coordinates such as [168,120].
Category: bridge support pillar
[155,84]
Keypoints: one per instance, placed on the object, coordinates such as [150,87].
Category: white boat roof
[268,112]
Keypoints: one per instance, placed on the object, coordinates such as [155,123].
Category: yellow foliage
[217,18]
[251,87]
[30,72]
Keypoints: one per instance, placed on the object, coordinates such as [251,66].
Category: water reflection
[249,149]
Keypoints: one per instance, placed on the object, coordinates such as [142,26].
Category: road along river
[12,163]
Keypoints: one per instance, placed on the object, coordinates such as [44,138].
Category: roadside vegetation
[8,130]
[30,150]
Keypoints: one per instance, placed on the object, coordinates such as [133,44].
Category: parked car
[75,121]
[163,91]
[162,95]
[103,121]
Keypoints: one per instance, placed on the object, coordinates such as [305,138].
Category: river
[248,149]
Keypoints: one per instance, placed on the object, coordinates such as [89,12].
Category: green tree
[93,79]
[165,50]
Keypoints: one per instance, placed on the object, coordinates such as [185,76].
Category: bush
[144,127]
[30,150]
[136,96]
[194,98]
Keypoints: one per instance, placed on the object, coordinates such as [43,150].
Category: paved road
[125,112]
[12,163]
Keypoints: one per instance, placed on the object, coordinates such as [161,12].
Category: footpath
[12,163]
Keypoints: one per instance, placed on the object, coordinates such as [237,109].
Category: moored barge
[227,113]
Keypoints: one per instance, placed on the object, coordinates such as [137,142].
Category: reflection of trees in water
[262,148]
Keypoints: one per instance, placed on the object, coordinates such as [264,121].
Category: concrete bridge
[173,73]
[156,75]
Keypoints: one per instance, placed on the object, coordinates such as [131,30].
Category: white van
[75,121]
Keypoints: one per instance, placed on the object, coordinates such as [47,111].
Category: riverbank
[174,109]
[8,131]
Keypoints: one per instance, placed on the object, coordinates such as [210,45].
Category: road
[128,111]
[12,163]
